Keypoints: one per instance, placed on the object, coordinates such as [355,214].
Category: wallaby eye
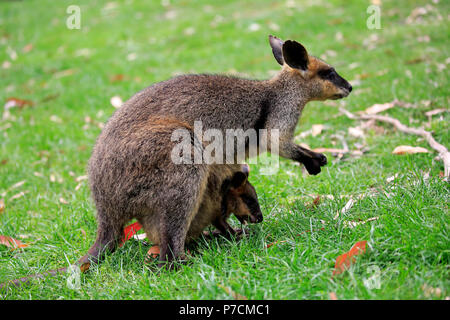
[327,74]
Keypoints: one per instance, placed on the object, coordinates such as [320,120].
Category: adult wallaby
[223,102]
[132,175]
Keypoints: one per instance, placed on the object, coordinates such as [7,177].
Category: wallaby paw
[313,164]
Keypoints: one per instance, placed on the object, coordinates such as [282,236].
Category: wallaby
[132,175]
[223,102]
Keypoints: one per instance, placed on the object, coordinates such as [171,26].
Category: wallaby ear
[238,180]
[277,50]
[295,55]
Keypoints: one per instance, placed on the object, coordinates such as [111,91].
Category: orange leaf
[12,243]
[153,252]
[274,243]
[235,295]
[16,102]
[345,260]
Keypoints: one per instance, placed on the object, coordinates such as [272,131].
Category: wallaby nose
[350,88]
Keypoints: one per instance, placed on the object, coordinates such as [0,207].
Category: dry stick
[443,151]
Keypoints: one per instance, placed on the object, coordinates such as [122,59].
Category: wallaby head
[240,198]
[315,77]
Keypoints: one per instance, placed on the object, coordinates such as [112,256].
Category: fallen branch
[443,151]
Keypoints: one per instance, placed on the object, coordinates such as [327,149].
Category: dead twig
[443,151]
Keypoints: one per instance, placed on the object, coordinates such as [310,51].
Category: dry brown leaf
[229,291]
[116,102]
[356,132]
[316,129]
[153,252]
[392,178]
[2,205]
[18,195]
[430,291]
[117,78]
[12,243]
[27,48]
[274,243]
[81,178]
[333,296]
[377,108]
[409,150]
[64,73]
[352,224]
[16,102]
[347,207]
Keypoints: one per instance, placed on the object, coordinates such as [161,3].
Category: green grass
[409,242]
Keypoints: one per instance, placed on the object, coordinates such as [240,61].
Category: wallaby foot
[107,241]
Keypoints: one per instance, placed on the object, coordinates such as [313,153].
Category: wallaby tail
[25,280]
[95,255]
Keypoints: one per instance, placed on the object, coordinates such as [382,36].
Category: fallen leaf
[64,73]
[430,291]
[153,252]
[316,200]
[229,291]
[347,207]
[81,178]
[377,108]
[274,243]
[116,102]
[333,296]
[27,48]
[2,205]
[12,243]
[16,185]
[352,224]
[316,129]
[55,119]
[356,132]
[18,195]
[414,61]
[129,231]
[345,260]
[409,150]
[392,178]
[16,102]
[117,78]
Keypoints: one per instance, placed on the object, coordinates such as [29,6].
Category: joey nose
[259,218]
[350,88]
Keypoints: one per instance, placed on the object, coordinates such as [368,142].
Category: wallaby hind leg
[168,234]
[108,236]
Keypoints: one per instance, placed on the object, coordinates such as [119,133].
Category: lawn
[70,75]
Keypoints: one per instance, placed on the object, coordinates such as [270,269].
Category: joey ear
[245,169]
[295,55]
[277,45]
[238,180]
